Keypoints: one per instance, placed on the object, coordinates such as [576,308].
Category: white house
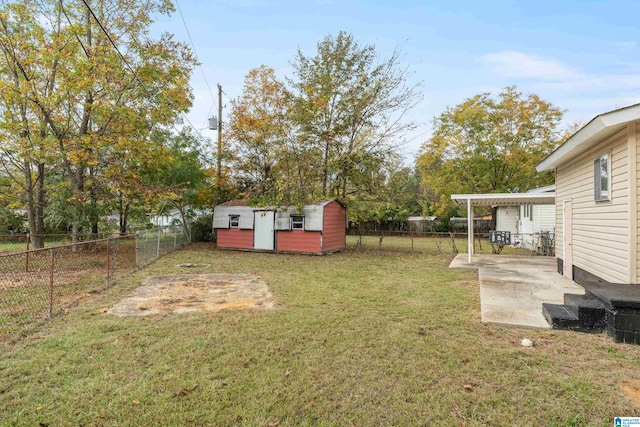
[598,216]
[527,222]
[173,217]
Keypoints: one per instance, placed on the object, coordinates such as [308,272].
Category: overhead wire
[193,46]
[106,33]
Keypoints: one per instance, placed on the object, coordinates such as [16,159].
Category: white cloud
[522,65]
[544,74]
[626,45]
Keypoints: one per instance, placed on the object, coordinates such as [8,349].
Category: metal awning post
[470,229]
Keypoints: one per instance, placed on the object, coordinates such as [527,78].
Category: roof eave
[597,129]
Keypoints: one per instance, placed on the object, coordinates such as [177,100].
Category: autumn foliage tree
[259,129]
[350,106]
[334,130]
[489,144]
[73,103]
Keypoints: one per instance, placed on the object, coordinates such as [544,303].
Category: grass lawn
[368,338]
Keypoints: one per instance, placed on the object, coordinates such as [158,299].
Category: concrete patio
[513,288]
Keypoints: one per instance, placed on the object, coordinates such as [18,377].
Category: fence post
[175,237]
[51,266]
[411,240]
[108,263]
[158,249]
[26,267]
[137,248]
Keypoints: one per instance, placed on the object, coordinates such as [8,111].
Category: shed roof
[600,127]
[504,199]
[245,202]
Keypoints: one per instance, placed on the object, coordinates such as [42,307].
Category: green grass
[365,338]
[433,245]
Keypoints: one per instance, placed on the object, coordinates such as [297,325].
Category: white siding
[283,218]
[506,219]
[313,217]
[543,218]
[600,230]
[221,216]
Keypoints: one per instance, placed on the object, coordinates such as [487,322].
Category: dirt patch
[632,390]
[181,293]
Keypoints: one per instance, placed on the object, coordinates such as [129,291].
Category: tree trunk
[325,169]
[40,204]
[185,225]
[31,211]
[94,218]
[123,214]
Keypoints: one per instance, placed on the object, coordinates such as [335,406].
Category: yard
[365,338]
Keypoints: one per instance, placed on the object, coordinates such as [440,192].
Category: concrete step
[560,317]
[589,310]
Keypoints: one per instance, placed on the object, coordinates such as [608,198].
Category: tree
[350,107]
[259,129]
[489,145]
[178,176]
[75,102]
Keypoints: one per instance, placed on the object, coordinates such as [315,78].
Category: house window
[234,221]
[297,222]
[527,212]
[601,175]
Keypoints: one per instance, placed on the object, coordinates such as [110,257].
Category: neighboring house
[172,216]
[597,220]
[315,229]
[526,222]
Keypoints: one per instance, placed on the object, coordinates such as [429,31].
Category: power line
[104,30]
[193,46]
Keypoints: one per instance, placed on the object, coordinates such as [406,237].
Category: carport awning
[504,199]
[497,199]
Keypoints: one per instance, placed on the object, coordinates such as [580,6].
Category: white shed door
[263,234]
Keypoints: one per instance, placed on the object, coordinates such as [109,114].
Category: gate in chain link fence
[38,284]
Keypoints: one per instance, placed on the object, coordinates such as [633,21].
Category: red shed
[316,229]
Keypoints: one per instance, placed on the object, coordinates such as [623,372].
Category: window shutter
[596,178]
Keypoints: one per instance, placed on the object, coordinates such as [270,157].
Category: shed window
[297,222]
[601,175]
[234,221]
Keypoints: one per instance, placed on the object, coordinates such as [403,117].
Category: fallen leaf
[136,402]
[421,330]
[468,387]
[286,374]
[185,391]
[274,423]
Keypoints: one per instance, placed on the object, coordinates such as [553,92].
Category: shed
[315,229]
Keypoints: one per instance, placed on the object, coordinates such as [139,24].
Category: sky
[582,56]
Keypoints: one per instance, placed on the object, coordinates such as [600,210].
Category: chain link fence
[22,242]
[446,243]
[38,284]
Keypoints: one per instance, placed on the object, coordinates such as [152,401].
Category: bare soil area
[181,293]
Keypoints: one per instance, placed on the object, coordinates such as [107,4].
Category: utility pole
[219,180]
